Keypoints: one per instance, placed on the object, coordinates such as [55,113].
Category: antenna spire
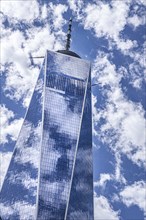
[68,35]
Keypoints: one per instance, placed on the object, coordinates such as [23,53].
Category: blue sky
[111,35]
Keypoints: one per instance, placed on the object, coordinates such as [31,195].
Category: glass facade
[80,205]
[58,130]
[66,181]
[18,194]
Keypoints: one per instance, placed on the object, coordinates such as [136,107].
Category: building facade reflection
[58,125]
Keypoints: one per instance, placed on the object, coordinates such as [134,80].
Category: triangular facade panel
[19,190]
[80,205]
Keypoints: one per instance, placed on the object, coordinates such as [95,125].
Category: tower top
[68,35]
[67,46]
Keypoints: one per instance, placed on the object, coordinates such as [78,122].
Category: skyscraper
[50,174]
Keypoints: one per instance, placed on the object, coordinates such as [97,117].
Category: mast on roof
[68,35]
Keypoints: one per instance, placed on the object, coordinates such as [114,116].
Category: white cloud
[101,17]
[116,176]
[19,86]
[54,13]
[133,127]
[15,9]
[141,2]
[108,20]
[40,39]
[5,210]
[104,177]
[8,128]
[76,6]
[4,163]
[137,83]
[135,194]
[135,21]
[103,210]
[22,209]
[58,10]
[124,125]
[137,69]
[126,45]
[21,75]
[12,50]
[95,116]
[43,11]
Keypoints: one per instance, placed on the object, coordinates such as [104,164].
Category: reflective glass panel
[66,81]
[18,194]
[80,204]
